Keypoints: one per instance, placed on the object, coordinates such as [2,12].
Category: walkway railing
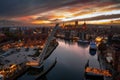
[50,37]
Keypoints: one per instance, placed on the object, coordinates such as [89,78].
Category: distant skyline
[52,11]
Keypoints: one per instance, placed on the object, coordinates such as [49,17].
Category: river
[71,60]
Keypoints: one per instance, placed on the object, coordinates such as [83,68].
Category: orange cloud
[40,22]
[86,11]
[24,18]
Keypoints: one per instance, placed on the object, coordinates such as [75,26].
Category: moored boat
[93,46]
[83,41]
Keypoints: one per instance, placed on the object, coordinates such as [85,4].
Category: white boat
[93,46]
[83,41]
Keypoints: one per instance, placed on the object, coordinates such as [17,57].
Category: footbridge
[39,60]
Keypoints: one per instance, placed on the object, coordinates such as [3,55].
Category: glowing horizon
[94,12]
[93,15]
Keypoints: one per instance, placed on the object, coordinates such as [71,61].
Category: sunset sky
[52,11]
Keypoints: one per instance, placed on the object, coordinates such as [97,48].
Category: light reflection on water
[71,60]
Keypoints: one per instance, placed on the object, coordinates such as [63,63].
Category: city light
[99,39]
[98,71]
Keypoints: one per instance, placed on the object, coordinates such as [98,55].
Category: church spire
[84,26]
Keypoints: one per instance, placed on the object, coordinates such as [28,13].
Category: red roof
[84,26]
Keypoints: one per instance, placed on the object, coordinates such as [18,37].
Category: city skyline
[42,12]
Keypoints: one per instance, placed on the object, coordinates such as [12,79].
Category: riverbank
[49,52]
[65,38]
[47,70]
[51,49]
[20,71]
[104,64]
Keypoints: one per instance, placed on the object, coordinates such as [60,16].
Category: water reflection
[70,42]
[38,73]
[71,60]
[92,52]
[82,45]
[42,78]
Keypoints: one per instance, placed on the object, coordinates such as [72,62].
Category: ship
[93,46]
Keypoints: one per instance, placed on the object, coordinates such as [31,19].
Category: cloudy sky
[51,11]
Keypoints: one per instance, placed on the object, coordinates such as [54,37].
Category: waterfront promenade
[104,60]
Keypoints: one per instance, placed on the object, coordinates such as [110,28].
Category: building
[116,58]
[2,37]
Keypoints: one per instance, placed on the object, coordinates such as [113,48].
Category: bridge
[46,45]
[39,60]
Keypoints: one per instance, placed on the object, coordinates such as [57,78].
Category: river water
[71,61]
